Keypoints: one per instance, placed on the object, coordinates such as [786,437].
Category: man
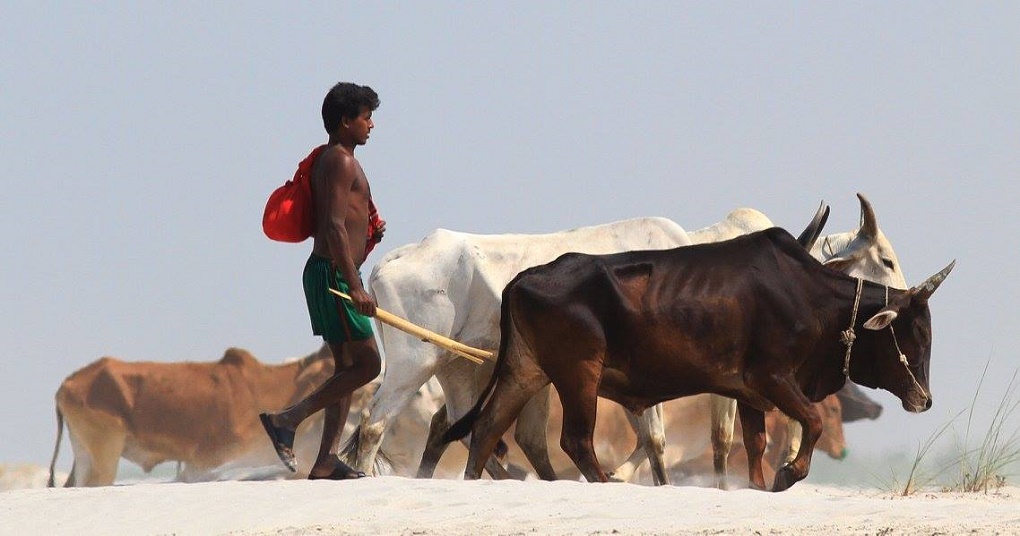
[346,227]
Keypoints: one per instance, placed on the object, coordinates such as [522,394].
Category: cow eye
[889,264]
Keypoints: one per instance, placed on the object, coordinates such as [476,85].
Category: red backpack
[288,216]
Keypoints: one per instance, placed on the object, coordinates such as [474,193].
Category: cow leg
[105,454]
[577,438]
[626,470]
[793,432]
[656,446]
[403,378]
[753,423]
[511,393]
[97,452]
[651,445]
[788,398]
[81,464]
[654,431]
[531,434]
[496,469]
[434,445]
[724,412]
[462,383]
[69,483]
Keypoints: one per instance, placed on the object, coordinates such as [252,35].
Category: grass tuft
[969,468]
[986,465]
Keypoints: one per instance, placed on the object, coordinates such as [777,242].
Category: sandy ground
[399,505]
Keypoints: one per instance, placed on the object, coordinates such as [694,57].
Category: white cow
[451,283]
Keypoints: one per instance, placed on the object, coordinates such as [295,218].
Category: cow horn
[926,289]
[810,234]
[869,224]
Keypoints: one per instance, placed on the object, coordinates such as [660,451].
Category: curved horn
[869,224]
[925,290]
[810,234]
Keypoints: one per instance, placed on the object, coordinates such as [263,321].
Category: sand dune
[398,505]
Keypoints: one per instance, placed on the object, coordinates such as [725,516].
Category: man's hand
[363,302]
[378,231]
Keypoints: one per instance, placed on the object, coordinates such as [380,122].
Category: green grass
[987,464]
[970,464]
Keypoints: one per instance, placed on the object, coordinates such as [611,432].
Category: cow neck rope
[848,337]
[903,357]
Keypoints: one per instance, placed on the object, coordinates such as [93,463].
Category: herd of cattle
[682,331]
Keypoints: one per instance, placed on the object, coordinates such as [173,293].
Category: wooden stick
[446,343]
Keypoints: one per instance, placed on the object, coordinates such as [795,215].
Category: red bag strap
[304,168]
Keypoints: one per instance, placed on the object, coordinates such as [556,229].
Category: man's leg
[333,424]
[357,363]
[364,367]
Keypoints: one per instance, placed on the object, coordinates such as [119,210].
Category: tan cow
[204,415]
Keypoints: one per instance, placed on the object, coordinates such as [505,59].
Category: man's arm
[340,178]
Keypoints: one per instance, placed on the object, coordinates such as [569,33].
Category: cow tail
[383,464]
[464,425]
[56,448]
[349,452]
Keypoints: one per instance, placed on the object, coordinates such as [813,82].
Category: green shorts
[333,317]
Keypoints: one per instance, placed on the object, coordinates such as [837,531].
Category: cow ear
[840,264]
[881,320]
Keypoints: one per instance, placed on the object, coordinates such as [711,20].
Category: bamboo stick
[468,352]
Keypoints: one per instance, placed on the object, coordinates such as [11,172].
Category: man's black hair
[345,101]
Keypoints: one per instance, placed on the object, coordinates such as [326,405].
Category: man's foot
[283,441]
[341,471]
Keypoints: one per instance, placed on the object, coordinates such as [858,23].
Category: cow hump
[238,357]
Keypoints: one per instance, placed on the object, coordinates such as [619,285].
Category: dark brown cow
[755,318]
[856,405]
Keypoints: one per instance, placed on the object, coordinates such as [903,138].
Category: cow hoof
[784,479]
[341,471]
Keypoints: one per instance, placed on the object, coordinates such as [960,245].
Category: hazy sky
[139,142]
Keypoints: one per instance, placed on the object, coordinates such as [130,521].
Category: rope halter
[848,336]
[903,357]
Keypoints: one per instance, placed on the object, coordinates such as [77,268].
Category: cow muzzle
[916,401]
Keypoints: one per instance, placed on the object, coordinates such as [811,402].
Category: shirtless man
[343,205]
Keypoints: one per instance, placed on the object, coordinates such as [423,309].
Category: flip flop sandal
[283,442]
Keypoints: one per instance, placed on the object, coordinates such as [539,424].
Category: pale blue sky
[139,141]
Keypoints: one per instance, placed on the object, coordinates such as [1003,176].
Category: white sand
[398,505]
